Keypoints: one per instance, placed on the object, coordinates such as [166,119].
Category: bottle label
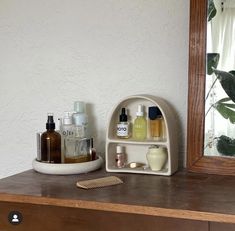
[122,130]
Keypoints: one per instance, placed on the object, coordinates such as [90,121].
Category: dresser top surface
[183,195]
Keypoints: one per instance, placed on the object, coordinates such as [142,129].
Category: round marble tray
[67,169]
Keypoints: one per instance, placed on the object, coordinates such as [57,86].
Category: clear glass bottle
[50,142]
[140,124]
[81,151]
[67,132]
[123,128]
[80,120]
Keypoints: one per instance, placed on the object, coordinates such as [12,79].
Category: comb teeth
[99,182]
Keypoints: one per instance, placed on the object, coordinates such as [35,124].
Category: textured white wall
[58,51]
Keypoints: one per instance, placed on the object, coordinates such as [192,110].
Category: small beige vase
[157,157]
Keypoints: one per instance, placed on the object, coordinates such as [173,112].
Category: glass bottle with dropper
[50,142]
[123,130]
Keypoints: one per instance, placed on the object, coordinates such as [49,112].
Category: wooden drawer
[214,226]
[53,218]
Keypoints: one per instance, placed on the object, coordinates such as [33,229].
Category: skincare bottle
[140,124]
[67,136]
[80,120]
[123,130]
[120,157]
[50,142]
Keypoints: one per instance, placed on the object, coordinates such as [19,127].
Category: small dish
[67,169]
[136,165]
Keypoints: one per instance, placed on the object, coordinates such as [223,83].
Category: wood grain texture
[184,195]
[215,226]
[54,218]
[196,162]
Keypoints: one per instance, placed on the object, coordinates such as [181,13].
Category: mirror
[220,84]
[197,161]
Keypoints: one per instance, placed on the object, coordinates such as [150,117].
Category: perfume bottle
[140,124]
[50,142]
[67,132]
[80,120]
[156,126]
[123,130]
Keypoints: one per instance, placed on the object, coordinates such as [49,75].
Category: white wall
[58,51]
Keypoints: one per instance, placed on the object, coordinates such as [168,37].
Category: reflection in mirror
[219,137]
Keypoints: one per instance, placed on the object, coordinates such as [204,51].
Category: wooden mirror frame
[196,161]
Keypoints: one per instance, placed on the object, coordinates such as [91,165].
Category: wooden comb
[99,182]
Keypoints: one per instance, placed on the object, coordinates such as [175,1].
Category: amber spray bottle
[50,142]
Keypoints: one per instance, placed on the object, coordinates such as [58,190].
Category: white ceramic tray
[67,169]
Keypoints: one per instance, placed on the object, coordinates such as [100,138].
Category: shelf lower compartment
[134,153]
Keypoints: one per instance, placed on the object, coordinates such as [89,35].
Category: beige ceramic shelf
[136,150]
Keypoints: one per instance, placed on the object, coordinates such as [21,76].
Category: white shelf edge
[147,171]
[135,142]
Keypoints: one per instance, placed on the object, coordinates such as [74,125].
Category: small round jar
[156,157]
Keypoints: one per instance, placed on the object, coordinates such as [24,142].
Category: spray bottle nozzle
[50,121]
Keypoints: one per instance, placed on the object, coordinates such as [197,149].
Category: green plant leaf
[226,110]
[227,81]
[212,62]
[223,100]
[211,10]
[225,145]
[232,72]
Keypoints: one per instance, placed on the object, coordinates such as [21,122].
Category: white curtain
[220,39]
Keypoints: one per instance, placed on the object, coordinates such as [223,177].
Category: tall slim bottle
[140,124]
[67,137]
[50,142]
[80,119]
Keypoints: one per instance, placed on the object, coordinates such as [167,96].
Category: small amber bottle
[50,143]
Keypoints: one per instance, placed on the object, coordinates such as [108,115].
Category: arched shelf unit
[136,150]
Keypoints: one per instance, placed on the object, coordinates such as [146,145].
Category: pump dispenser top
[67,119]
[50,125]
[140,111]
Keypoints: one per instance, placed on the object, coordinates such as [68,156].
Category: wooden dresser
[184,202]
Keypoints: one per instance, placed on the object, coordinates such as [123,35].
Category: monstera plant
[225,106]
